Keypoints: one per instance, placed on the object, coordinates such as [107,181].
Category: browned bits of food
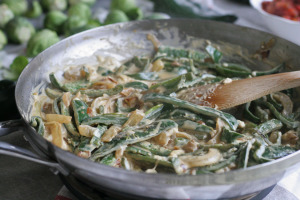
[290,137]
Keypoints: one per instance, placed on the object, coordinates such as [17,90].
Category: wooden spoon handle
[245,90]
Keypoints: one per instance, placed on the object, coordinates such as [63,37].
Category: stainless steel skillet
[124,41]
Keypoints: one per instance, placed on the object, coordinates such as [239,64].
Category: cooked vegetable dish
[132,115]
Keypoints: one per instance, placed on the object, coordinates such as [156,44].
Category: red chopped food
[289,9]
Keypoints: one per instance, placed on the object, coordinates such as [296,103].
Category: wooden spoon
[226,95]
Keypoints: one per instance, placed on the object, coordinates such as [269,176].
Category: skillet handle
[8,127]
[11,126]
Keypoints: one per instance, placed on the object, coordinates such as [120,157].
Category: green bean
[55,105]
[125,163]
[38,123]
[154,149]
[200,131]
[170,85]
[179,82]
[249,115]
[261,114]
[139,62]
[217,166]
[181,114]
[137,85]
[237,70]
[229,119]
[231,70]
[153,112]
[51,93]
[244,154]
[89,144]
[80,111]
[100,92]
[269,126]
[55,83]
[276,69]
[149,76]
[275,152]
[277,105]
[221,147]
[109,160]
[101,129]
[73,87]
[106,119]
[150,159]
[121,108]
[180,53]
[288,122]
[69,126]
[259,151]
[84,144]
[68,87]
[139,150]
[213,53]
[229,136]
[284,103]
[134,135]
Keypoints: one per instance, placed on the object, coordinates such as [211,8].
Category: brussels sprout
[41,41]
[18,7]
[135,14]
[54,21]
[3,40]
[116,16]
[123,5]
[15,68]
[72,24]
[35,10]
[79,15]
[54,5]
[19,30]
[5,15]
[92,23]
[157,15]
[88,2]
[81,10]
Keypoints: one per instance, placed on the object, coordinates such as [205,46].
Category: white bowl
[280,26]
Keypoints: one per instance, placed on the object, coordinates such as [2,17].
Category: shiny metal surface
[130,39]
